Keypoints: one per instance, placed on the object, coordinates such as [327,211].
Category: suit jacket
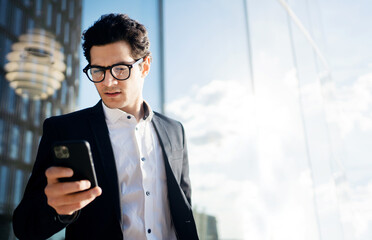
[101,219]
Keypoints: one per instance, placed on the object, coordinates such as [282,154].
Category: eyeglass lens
[120,72]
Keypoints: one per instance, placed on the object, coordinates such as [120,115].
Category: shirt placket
[147,167]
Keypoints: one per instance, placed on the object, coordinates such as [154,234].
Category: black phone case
[77,156]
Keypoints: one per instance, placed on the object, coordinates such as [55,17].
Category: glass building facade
[275,97]
[21,118]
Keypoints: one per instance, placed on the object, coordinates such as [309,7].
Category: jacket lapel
[106,154]
[166,145]
[163,137]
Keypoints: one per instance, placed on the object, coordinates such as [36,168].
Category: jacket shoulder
[167,120]
[75,116]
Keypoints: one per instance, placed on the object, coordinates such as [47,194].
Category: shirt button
[147,193]
[143,159]
[136,128]
[149,230]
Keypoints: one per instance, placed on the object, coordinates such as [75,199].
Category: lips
[112,94]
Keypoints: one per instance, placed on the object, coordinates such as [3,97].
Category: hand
[67,197]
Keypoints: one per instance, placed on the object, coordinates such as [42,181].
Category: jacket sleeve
[34,218]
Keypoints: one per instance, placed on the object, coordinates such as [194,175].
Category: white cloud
[249,168]
[348,106]
[233,145]
[351,203]
[356,103]
[219,120]
[214,117]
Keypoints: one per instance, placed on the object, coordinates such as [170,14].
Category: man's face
[126,94]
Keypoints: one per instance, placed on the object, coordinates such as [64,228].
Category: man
[140,156]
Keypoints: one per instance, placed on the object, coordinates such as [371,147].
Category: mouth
[112,94]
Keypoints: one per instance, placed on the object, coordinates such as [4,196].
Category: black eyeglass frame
[130,66]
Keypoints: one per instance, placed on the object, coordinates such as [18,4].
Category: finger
[75,197]
[77,201]
[97,190]
[53,173]
[71,208]
[66,188]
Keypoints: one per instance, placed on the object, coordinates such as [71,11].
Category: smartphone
[77,156]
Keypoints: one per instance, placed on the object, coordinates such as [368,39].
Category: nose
[109,80]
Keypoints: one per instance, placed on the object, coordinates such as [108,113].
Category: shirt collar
[148,113]
[114,114]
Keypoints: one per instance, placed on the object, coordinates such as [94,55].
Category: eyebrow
[122,62]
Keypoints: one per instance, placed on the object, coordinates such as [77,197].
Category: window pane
[49,14]
[7,49]
[4,173]
[30,23]
[3,11]
[28,147]
[55,96]
[38,7]
[27,3]
[63,93]
[48,110]
[71,9]
[67,33]
[17,27]
[58,24]
[14,143]
[25,107]
[63,5]
[37,105]
[11,100]
[71,98]
[69,67]
[2,55]
[2,133]
[18,187]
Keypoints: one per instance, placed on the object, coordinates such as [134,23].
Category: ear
[146,66]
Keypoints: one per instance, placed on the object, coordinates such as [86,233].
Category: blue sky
[259,160]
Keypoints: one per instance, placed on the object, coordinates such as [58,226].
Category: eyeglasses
[119,71]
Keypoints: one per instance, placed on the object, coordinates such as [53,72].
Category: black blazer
[101,219]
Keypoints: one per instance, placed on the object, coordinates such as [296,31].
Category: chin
[111,104]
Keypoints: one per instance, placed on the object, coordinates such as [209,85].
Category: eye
[95,71]
[120,70]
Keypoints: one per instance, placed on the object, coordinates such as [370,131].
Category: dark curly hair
[112,28]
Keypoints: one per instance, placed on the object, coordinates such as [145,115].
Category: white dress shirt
[141,174]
